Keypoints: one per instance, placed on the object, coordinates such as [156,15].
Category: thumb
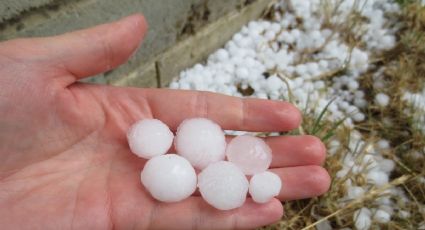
[87,52]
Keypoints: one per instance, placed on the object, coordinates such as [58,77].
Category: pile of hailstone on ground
[316,55]
[201,144]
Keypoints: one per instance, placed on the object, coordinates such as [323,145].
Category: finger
[290,151]
[90,51]
[302,182]
[195,213]
[232,113]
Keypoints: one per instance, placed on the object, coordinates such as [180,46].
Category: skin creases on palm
[64,158]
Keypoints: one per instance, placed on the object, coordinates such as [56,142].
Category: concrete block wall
[171,22]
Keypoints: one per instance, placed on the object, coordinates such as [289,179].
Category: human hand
[65,161]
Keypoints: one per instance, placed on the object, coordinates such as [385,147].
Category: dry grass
[405,70]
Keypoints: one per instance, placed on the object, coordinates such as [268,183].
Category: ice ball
[223,185]
[149,137]
[169,178]
[201,141]
[249,153]
[264,186]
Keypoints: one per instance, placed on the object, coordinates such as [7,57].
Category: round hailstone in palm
[169,178]
[223,185]
[201,141]
[249,153]
[149,137]
[264,186]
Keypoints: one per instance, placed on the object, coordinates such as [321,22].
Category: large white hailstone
[249,153]
[362,219]
[382,100]
[264,186]
[200,141]
[149,137]
[169,178]
[223,185]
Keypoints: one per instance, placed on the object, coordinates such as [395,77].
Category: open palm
[64,159]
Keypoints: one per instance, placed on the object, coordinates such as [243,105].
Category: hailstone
[249,153]
[264,186]
[169,178]
[223,185]
[149,137]
[201,141]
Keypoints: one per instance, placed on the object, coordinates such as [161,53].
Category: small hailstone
[149,137]
[384,201]
[169,178]
[359,60]
[386,165]
[342,173]
[404,214]
[222,55]
[323,64]
[388,41]
[355,192]
[382,216]
[275,27]
[201,141]
[383,144]
[301,69]
[312,67]
[237,37]
[359,102]
[362,219]
[223,185]
[334,146]
[353,85]
[274,83]
[242,72]
[198,67]
[344,105]
[319,85]
[369,161]
[309,87]
[324,225]
[264,186]
[358,117]
[377,178]
[382,99]
[387,208]
[249,153]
